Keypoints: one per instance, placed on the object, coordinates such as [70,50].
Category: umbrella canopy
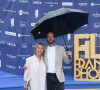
[61,21]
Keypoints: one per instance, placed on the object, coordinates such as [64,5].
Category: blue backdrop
[17,18]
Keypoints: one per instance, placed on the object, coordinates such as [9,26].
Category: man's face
[50,38]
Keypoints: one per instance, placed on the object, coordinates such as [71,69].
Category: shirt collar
[36,59]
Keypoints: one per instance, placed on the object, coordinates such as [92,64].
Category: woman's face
[39,50]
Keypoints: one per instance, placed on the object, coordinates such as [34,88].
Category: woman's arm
[26,75]
[25,85]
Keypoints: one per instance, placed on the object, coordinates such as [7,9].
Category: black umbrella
[61,22]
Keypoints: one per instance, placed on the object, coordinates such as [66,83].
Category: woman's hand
[25,85]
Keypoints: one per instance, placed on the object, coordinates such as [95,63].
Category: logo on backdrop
[0,63]
[98,35]
[96,25]
[33,46]
[95,4]
[21,12]
[20,67]
[0,31]
[67,3]
[1,21]
[68,37]
[9,66]
[84,26]
[36,13]
[22,23]
[20,35]
[23,56]
[33,24]
[37,2]
[11,56]
[23,1]
[51,3]
[12,0]
[69,46]
[10,33]
[96,15]
[82,4]
[23,45]
[11,44]
[67,67]
[2,42]
[0,53]
[12,22]
[6,10]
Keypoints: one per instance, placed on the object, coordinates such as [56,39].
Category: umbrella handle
[69,56]
[67,49]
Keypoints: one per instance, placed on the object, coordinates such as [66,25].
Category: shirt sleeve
[27,72]
[65,57]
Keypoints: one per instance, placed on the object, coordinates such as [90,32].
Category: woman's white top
[35,73]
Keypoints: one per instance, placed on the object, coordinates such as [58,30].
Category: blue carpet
[72,84]
[10,81]
[13,82]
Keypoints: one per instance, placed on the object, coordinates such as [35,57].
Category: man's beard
[50,42]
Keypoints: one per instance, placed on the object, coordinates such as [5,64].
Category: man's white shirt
[51,59]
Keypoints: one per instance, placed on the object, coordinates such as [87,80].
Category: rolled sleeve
[27,72]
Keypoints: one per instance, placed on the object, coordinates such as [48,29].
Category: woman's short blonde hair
[39,44]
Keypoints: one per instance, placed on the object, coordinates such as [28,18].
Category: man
[54,56]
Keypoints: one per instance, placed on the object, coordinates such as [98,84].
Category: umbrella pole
[65,43]
[63,37]
[62,33]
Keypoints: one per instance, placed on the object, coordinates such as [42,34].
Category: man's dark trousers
[53,82]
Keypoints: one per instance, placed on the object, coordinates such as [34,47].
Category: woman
[36,71]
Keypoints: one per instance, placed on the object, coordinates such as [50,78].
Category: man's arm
[65,57]
[25,67]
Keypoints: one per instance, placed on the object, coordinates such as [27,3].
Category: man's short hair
[51,32]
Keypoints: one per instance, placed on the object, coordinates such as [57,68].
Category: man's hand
[69,53]
[62,67]
[25,67]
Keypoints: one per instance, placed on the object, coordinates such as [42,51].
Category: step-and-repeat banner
[18,17]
